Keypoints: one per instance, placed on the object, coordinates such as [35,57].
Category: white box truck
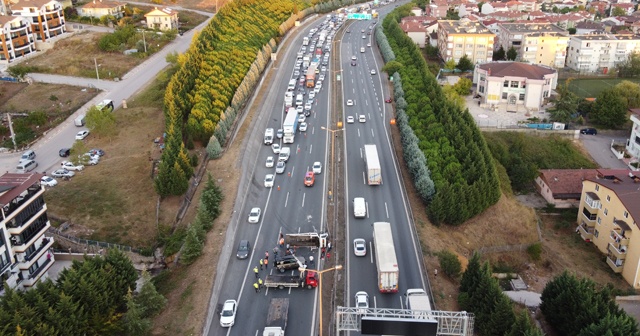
[374,173]
[277,317]
[386,262]
[417,300]
[290,126]
[359,207]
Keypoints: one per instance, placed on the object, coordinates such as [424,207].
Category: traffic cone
[278,188]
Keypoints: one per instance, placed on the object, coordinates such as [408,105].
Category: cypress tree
[612,325]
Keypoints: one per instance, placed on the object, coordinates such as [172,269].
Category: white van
[292,85]
[268,136]
[359,207]
[299,100]
[284,154]
[79,121]
[28,155]
[26,166]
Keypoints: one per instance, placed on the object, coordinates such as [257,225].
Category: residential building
[415,31]
[162,19]
[599,6]
[464,37]
[589,27]
[417,11]
[628,8]
[562,187]
[536,43]
[633,145]
[608,217]
[439,8]
[514,84]
[45,16]
[25,253]
[100,8]
[508,16]
[600,53]
[17,39]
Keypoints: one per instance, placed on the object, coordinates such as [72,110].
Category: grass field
[591,87]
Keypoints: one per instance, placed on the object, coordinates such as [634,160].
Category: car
[254,215]
[228,313]
[280,166]
[317,167]
[362,301]
[301,79]
[373,71]
[307,107]
[362,31]
[368,33]
[301,118]
[243,249]
[279,133]
[64,152]
[348,31]
[268,181]
[321,77]
[68,165]
[359,247]
[309,179]
[317,70]
[353,58]
[349,102]
[82,134]
[88,158]
[296,73]
[364,37]
[62,173]
[589,131]
[353,63]
[362,118]
[300,109]
[48,181]
[350,120]
[275,148]
[369,45]
[312,94]
[316,89]
[318,86]
[362,49]
[324,69]
[270,162]
[96,151]
[303,127]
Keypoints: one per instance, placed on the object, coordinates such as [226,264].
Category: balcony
[586,232]
[26,259]
[616,264]
[616,250]
[21,200]
[589,216]
[592,200]
[37,274]
[34,210]
[16,28]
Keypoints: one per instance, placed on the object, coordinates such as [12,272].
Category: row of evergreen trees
[93,297]
[459,162]
[572,306]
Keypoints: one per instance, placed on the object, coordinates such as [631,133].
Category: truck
[277,317]
[417,300]
[374,173]
[306,278]
[374,13]
[306,60]
[305,41]
[386,262]
[79,121]
[310,239]
[290,126]
[311,76]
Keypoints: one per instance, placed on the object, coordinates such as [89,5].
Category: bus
[311,76]
[386,262]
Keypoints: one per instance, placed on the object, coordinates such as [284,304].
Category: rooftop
[12,185]
[626,185]
[516,69]
[566,181]
[103,4]
[463,26]
[532,28]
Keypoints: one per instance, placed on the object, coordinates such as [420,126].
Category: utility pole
[95,61]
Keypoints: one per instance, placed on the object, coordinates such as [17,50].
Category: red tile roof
[566,181]
[516,69]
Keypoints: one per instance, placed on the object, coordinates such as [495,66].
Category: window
[458,52]
[521,96]
[599,220]
[504,95]
[506,84]
[597,187]
[514,84]
[469,46]
[608,198]
[458,45]
[545,94]
[596,233]
[626,214]
[541,49]
[523,85]
[606,211]
[482,78]
[588,45]
[481,89]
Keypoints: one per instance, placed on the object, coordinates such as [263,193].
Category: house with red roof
[562,187]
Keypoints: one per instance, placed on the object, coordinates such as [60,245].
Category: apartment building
[633,145]
[100,8]
[536,43]
[25,255]
[162,19]
[16,40]
[45,16]
[600,53]
[608,217]
[464,37]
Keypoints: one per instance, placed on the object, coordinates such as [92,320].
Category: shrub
[450,264]
[535,251]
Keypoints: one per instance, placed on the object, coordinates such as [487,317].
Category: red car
[309,179]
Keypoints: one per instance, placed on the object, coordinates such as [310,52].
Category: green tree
[193,245]
[630,92]
[609,110]
[101,122]
[472,274]
[463,86]
[450,264]
[512,54]
[452,15]
[431,51]
[612,325]
[523,326]
[211,198]
[452,95]
[76,154]
[480,6]
[502,317]
[500,54]
[617,11]
[630,67]
[450,64]
[572,31]
[392,67]
[151,302]
[465,64]
[133,321]
[565,105]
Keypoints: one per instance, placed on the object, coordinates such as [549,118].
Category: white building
[633,145]
[24,247]
[600,53]
[515,84]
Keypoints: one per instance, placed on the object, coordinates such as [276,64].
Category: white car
[362,118]
[321,77]
[63,173]
[317,167]
[312,94]
[362,49]
[317,89]
[373,71]
[279,133]
[362,301]
[299,109]
[324,69]
[280,166]
[228,313]
[350,120]
[70,166]
[268,181]
[275,148]
[353,58]
[303,127]
[301,118]
[48,181]
[270,162]
[254,215]
[364,37]
[90,159]
[369,45]
[359,247]
[349,102]
[82,134]
[307,107]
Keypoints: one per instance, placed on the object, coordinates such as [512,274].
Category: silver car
[280,166]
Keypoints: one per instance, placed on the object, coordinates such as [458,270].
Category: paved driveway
[599,147]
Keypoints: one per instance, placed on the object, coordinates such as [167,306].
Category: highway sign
[358,16]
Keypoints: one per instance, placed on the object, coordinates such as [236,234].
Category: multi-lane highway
[291,207]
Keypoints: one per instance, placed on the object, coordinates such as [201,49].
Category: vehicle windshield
[227,313]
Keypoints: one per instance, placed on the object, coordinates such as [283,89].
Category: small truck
[277,317]
[307,278]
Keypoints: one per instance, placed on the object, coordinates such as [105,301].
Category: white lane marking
[286,200]
[364,178]
[372,133]
[386,209]
[310,149]
[304,195]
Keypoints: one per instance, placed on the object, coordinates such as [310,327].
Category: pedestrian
[266,263]
[260,284]
[255,271]
[281,242]
[266,255]
[311,260]
[328,255]
[257,287]
[324,250]
[329,246]
[261,264]
[275,251]
[436,272]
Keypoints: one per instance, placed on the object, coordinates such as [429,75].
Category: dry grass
[203,5]
[52,98]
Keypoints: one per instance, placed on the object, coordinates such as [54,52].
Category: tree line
[457,161]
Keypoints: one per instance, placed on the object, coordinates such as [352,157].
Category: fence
[90,245]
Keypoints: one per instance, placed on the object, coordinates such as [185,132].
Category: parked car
[48,181]
[97,151]
[254,215]
[243,249]
[68,165]
[82,134]
[89,159]
[228,313]
[64,152]
[589,131]
[63,173]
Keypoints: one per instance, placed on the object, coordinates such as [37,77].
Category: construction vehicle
[311,239]
[307,279]
[277,317]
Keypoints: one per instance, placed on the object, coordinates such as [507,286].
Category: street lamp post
[337,267]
